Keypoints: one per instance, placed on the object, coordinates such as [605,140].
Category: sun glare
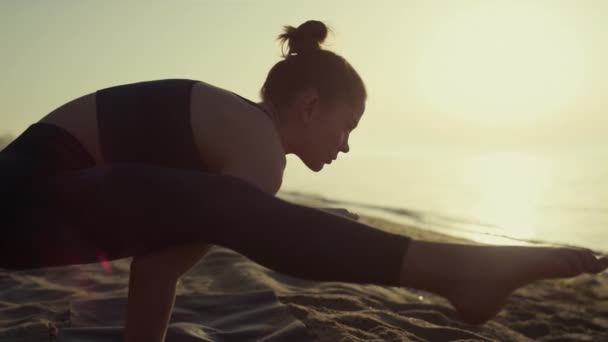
[513,62]
[510,187]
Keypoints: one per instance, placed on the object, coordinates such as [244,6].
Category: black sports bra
[149,122]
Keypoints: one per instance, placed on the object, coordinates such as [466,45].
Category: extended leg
[128,209]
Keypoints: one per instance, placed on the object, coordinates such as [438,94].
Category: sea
[516,197]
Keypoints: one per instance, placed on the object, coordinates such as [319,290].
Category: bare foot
[478,279]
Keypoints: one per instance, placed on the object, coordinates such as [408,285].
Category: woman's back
[179,123]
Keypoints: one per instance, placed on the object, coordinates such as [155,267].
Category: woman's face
[326,133]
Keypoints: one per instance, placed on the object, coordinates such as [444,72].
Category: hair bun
[307,37]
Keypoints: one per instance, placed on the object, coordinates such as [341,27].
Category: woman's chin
[316,167]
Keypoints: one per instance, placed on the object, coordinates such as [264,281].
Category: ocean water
[501,197]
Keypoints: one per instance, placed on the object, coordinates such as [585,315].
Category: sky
[440,74]
[507,78]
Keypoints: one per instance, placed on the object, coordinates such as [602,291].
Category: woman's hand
[341,212]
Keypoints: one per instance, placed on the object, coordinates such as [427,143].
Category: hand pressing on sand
[478,279]
[341,212]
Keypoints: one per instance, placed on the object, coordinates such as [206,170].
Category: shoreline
[451,226]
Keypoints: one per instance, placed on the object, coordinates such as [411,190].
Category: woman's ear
[308,104]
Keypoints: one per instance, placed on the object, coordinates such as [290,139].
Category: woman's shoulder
[206,96]
[219,108]
[229,130]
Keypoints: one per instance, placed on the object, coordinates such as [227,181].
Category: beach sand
[227,297]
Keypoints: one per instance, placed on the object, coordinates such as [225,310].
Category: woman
[159,170]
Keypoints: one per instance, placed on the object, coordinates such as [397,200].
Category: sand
[227,297]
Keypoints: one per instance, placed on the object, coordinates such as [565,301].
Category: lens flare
[103,261]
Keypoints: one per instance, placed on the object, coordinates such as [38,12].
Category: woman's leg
[129,209]
[133,209]
[152,212]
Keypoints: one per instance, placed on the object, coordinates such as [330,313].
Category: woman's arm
[263,171]
[256,156]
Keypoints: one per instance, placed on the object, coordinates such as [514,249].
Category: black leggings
[127,209]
